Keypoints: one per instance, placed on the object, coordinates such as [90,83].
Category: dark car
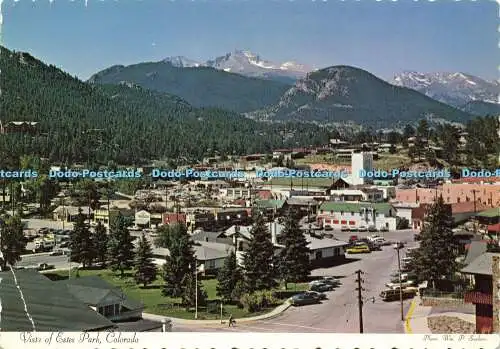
[304,299]
[319,295]
[322,287]
[416,237]
[45,266]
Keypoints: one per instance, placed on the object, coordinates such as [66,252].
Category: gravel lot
[451,325]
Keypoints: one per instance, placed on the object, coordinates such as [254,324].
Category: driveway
[339,313]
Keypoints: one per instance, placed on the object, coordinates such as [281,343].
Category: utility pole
[196,289]
[475,210]
[359,280]
[400,284]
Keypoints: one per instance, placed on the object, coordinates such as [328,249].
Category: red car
[353,238]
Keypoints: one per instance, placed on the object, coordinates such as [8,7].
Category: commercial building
[355,215]
[360,162]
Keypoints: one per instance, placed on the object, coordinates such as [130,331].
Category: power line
[359,280]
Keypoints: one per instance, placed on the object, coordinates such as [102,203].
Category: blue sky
[381,37]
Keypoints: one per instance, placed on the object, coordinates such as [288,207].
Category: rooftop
[52,307]
[482,265]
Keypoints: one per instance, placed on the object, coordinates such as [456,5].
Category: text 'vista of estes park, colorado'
[295,167]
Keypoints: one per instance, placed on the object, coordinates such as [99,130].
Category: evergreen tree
[436,256]
[12,241]
[101,241]
[145,267]
[190,289]
[81,242]
[293,260]
[121,246]
[178,263]
[228,278]
[259,272]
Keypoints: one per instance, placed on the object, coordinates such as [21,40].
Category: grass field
[155,303]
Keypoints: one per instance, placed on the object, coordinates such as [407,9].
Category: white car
[405,284]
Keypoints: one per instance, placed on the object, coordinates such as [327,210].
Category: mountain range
[464,91]
[248,64]
[345,93]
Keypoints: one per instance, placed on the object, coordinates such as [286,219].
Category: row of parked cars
[316,293]
[402,284]
[366,245]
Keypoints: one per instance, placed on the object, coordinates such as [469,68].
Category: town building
[361,162]
[70,213]
[481,268]
[146,219]
[339,214]
[487,193]
[172,218]
[325,252]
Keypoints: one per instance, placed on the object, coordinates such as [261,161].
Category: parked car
[353,238]
[372,228]
[328,228]
[362,229]
[404,284]
[322,287]
[358,249]
[328,235]
[416,237]
[392,294]
[384,229]
[398,245]
[57,252]
[318,295]
[344,228]
[304,299]
[45,266]
[330,280]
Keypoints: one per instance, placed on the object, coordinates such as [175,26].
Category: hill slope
[200,86]
[344,93]
[135,125]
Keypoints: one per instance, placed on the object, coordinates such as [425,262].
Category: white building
[404,210]
[360,161]
[236,193]
[355,215]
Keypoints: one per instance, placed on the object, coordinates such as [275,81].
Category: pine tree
[12,241]
[259,272]
[121,246]
[190,289]
[146,270]
[293,260]
[101,240]
[228,278]
[436,256]
[81,242]
[178,263]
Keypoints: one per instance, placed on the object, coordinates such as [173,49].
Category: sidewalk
[416,318]
[275,312]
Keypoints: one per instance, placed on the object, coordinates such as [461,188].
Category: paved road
[59,262]
[339,314]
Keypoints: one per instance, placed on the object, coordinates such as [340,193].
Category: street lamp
[399,246]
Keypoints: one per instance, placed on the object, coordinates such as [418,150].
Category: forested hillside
[81,122]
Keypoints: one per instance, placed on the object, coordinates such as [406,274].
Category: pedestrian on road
[231,320]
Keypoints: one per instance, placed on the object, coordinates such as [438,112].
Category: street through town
[339,313]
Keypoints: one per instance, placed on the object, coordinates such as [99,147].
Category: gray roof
[316,244]
[476,249]
[203,235]
[212,250]
[293,201]
[482,265]
[204,251]
[93,290]
[244,231]
[51,306]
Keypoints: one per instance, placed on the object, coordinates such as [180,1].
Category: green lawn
[156,303]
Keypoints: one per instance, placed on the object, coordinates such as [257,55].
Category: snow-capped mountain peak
[456,89]
[182,62]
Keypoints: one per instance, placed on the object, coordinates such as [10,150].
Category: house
[339,214]
[405,210]
[325,252]
[487,217]
[69,213]
[209,255]
[236,216]
[482,295]
[237,193]
[104,216]
[104,298]
[210,236]
[361,194]
[29,127]
[271,206]
[172,218]
[205,220]
[51,307]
